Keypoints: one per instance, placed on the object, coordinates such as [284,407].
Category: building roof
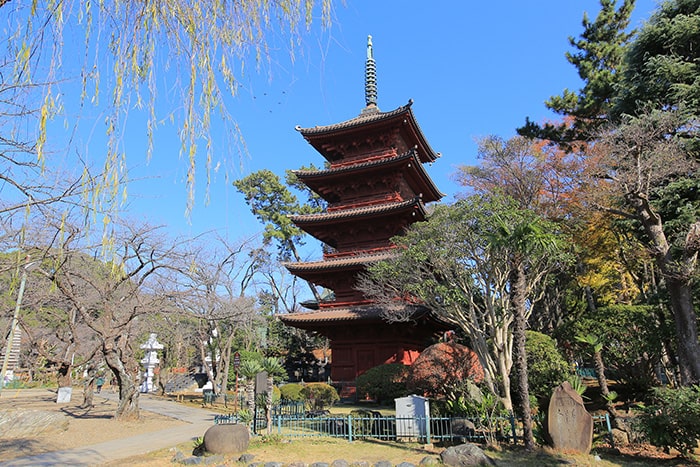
[346,215]
[402,117]
[317,180]
[342,263]
[344,315]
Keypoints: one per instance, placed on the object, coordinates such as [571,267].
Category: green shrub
[362,422]
[673,419]
[318,396]
[546,367]
[291,392]
[383,383]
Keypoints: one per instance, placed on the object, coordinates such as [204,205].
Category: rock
[319,464]
[569,425]
[383,464]
[465,455]
[226,439]
[429,460]
[211,460]
[340,463]
[360,464]
[405,464]
[246,458]
[194,460]
[620,438]
[462,427]
[297,464]
[273,464]
[23,423]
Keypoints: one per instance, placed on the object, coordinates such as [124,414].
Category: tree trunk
[686,330]
[208,368]
[604,390]
[250,394]
[128,407]
[64,379]
[518,293]
[678,276]
[269,390]
[88,392]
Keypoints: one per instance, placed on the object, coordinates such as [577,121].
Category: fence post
[607,421]
[350,428]
[279,424]
[427,428]
[512,427]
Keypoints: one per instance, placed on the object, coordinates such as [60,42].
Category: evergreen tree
[598,59]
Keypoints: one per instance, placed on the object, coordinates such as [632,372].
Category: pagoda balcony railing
[348,204]
[344,304]
[364,252]
[383,154]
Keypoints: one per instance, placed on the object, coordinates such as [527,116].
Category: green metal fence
[421,429]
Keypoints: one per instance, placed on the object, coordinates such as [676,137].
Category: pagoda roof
[338,264]
[317,179]
[344,315]
[369,211]
[319,136]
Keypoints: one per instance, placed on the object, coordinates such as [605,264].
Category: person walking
[100,383]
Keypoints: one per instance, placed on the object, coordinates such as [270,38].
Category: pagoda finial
[370,77]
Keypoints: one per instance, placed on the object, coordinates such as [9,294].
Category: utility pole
[15,320]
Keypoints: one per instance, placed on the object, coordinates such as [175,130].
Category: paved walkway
[199,420]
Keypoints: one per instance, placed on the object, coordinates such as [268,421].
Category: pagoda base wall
[359,349]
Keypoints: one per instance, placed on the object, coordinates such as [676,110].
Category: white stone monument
[150,361]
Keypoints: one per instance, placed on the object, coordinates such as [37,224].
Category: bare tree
[108,297]
[213,292]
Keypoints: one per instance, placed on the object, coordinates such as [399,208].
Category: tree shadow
[23,446]
[99,411]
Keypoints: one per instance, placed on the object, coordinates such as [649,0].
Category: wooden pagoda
[375,186]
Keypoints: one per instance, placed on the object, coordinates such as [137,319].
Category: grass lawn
[311,450]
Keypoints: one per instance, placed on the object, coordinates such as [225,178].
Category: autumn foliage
[443,369]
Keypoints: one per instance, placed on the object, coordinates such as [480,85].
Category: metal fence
[390,428]
[287,423]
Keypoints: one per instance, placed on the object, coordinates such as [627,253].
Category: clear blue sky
[472,69]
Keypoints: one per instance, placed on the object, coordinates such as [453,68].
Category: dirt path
[79,436]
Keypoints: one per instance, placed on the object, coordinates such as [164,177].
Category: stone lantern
[150,361]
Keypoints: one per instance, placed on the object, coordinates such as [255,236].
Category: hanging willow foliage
[116,50]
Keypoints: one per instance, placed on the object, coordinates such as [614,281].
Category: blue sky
[472,69]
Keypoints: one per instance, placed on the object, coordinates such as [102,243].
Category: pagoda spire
[370,80]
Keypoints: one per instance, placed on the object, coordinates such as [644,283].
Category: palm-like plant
[596,345]
[273,368]
[249,370]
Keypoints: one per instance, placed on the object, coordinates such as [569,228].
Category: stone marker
[226,439]
[569,424]
[63,396]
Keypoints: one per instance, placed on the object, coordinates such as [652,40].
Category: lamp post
[15,318]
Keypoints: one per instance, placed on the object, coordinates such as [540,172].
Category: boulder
[226,439]
[465,455]
[620,438]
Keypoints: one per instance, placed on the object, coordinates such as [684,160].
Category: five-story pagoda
[375,186]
